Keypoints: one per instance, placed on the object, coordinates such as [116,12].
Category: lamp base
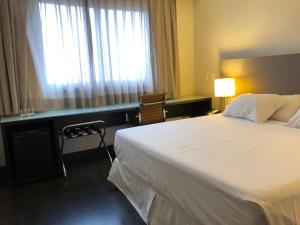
[223,102]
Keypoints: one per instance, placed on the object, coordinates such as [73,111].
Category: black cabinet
[31,151]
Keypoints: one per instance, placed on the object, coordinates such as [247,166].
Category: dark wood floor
[85,198]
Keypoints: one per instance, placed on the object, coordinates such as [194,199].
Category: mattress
[216,170]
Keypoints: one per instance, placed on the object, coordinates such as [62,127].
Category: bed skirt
[154,208]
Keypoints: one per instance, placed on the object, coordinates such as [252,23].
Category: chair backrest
[152,108]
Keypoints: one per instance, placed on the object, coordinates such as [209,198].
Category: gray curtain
[17,76]
[163,29]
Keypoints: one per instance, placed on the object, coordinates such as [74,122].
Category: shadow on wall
[237,69]
[268,74]
[223,54]
[257,52]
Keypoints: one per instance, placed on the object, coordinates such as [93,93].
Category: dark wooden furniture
[31,143]
[152,108]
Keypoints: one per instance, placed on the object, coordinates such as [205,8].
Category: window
[122,47]
[65,44]
[95,45]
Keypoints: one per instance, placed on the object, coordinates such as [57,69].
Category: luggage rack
[81,130]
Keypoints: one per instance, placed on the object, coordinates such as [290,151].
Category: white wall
[235,29]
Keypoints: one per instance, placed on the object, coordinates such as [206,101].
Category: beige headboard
[272,74]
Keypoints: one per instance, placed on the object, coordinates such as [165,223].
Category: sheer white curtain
[89,53]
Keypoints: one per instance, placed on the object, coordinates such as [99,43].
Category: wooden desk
[31,142]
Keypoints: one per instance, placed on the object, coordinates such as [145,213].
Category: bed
[210,170]
[217,170]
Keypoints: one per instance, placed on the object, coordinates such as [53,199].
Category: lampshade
[224,87]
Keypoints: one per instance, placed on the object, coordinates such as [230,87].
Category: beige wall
[185,26]
[235,28]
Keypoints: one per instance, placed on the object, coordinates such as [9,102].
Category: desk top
[101,109]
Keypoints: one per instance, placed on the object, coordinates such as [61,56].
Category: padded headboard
[272,74]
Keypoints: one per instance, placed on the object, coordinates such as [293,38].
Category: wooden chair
[152,108]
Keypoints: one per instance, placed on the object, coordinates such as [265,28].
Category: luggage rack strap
[83,129]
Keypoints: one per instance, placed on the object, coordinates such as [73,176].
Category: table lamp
[224,87]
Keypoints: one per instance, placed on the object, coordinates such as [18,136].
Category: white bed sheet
[218,170]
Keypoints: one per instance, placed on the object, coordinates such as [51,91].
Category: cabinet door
[33,153]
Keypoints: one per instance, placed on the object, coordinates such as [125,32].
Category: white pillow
[295,120]
[291,105]
[254,107]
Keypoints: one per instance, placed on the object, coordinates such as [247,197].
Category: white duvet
[217,170]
